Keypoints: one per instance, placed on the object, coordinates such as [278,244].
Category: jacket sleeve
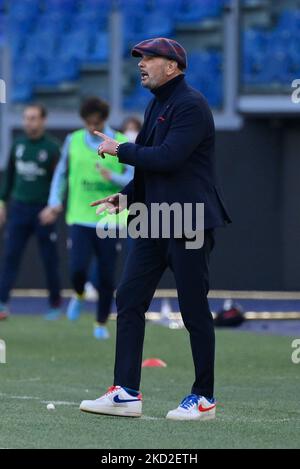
[123,178]
[59,179]
[128,190]
[188,128]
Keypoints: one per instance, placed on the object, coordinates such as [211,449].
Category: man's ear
[171,66]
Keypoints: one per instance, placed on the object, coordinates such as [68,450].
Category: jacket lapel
[165,108]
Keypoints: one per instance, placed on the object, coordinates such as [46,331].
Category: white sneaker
[116,401]
[194,407]
[90,292]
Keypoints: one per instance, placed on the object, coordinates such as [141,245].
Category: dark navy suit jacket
[174,161]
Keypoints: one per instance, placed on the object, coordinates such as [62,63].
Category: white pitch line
[25,380]
[60,402]
[256,420]
[67,403]
[147,417]
[33,398]
[29,398]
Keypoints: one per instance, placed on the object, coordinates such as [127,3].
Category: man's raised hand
[109,145]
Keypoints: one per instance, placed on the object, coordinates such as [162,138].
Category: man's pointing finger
[101,135]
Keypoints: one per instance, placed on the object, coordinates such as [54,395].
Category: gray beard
[150,86]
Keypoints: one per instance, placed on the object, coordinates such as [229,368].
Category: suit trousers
[145,264]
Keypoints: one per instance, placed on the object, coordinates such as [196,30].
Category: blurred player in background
[131,127]
[26,182]
[87,178]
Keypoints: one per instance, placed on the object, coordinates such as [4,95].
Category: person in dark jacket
[173,157]
[26,184]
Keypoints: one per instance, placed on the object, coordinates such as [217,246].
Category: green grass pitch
[257,387]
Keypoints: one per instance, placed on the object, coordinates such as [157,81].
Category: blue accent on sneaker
[132,392]
[101,332]
[189,401]
[117,400]
[74,309]
[211,400]
[53,314]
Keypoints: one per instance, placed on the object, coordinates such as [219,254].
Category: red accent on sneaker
[111,389]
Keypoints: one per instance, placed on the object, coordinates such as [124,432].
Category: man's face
[155,71]
[33,122]
[94,122]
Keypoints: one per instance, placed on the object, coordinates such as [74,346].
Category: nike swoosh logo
[117,400]
[205,409]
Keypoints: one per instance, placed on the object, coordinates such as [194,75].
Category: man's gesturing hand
[115,203]
[109,145]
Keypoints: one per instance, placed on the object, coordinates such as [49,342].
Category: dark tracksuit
[174,162]
[27,182]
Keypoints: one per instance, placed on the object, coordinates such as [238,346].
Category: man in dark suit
[174,163]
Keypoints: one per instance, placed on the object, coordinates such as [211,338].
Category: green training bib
[86,183]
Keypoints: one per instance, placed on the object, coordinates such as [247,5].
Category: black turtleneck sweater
[162,94]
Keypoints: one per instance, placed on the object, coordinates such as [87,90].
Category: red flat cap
[162,47]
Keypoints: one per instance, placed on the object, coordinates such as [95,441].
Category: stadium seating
[24,80]
[100,49]
[138,99]
[22,8]
[205,73]
[59,6]
[76,32]
[76,45]
[89,21]
[1,26]
[138,26]
[61,36]
[56,38]
[271,56]
[195,10]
